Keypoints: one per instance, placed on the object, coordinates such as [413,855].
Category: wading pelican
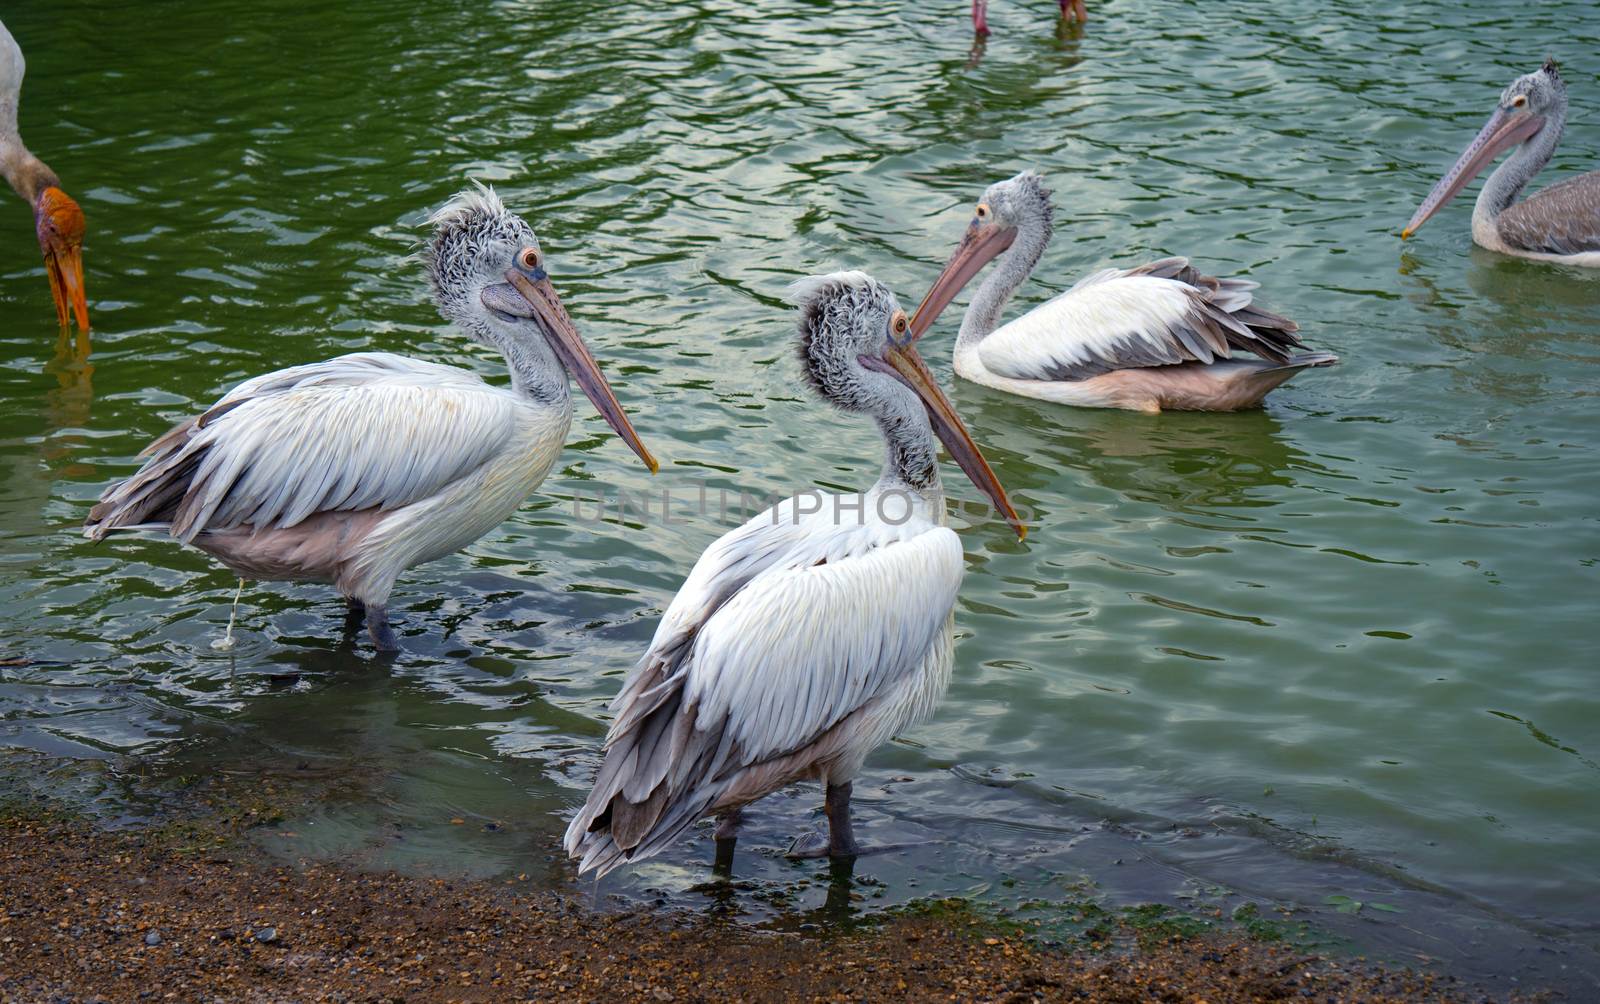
[807,637]
[1071,10]
[1559,223]
[1158,336]
[57,220]
[351,471]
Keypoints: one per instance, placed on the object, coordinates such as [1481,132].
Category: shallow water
[1340,647]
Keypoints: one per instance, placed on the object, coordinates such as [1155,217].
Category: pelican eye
[1520,101]
[983,211]
[529,258]
[899,325]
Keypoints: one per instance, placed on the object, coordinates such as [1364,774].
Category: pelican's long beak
[1505,129]
[947,425]
[59,223]
[574,355]
[979,245]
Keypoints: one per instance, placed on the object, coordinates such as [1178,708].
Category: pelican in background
[57,220]
[351,471]
[1071,10]
[810,635]
[1158,336]
[1559,223]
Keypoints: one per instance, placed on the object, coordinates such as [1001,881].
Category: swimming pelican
[57,220]
[808,636]
[1071,10]
[1559,223]
[1157,336]
[352,470]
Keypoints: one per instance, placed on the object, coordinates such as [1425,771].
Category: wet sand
[162,914]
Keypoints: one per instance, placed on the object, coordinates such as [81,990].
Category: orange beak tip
[1405,235]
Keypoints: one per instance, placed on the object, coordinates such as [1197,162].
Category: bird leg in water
[378,627]
[841,839]
[1073,10]
[225,643]
[726,834]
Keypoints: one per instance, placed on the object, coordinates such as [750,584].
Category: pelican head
[1019,205]
[856,352]
[488,275]
[59,224]
[1533,103]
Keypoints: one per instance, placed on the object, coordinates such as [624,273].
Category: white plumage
[369,430]
[808,636]
[1107,318]
[352,470]
[796,646]
[1161,335]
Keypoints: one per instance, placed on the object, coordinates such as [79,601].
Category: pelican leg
[840,841]
[378,627]
[225,643]
[727,835]
[841,835]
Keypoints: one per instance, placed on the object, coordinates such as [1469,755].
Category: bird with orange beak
[57,220]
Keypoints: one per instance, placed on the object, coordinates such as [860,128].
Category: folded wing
[774,657]
[1563,218]
[363,431]
[1160,314]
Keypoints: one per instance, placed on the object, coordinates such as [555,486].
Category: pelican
[1158,336]
[811,634]
[1559,223]
[57,220]
[352,470]
[1071,10]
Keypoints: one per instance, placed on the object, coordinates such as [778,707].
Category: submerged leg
[727,835]
[225,643]
[840,841]
[841,836]
[378,627]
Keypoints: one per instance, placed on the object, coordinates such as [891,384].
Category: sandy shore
[88,915]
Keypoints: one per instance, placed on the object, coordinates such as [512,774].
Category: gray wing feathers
[744,688]
[1232,303]
[370,430]
[1101,325]
[1563,218]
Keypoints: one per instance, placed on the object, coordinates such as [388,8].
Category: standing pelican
[1560,223]
[1071,10]
[57,220]
[808,636]
[1147,338]
[353,470]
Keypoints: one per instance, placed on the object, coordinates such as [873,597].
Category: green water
[1343,646]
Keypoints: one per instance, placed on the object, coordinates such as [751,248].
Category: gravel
[255,931]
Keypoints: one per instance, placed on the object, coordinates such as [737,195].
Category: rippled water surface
[1344,646]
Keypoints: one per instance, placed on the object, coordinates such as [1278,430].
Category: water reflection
[1184,460]
[706,157]
[68,404]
